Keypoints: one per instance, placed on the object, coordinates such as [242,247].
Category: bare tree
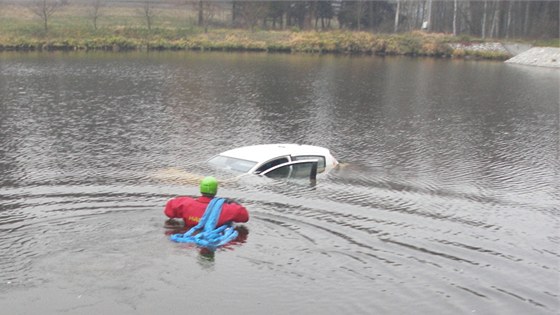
[508,22]
[325,12]
[45,9]
[429,26]
[252,12]
[359,13]
[149,13]
[208,12]
[455,18]
[200,5]
[95,11]
[484,19]
[397,13]
[526,23]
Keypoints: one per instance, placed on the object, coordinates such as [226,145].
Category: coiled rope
[209,235]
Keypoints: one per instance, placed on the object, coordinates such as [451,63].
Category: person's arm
[172,211]
[234,212]
[171,208]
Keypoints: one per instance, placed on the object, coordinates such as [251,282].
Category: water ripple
[448,193]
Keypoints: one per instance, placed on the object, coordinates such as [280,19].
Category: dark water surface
[448,201]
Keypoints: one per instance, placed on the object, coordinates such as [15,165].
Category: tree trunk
[468,18]
[370,7]
[526,24]
[455,18]
[484,20]
[508,22]
[499,20]
[359,15]
[233,13]
[495,27]
[419,14]
[200,13]
[397,16]
[493,22]
[429,15]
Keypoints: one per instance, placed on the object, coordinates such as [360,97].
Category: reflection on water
[447,200]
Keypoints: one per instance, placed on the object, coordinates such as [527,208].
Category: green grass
[547,43]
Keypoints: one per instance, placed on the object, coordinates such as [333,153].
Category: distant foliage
[348,27]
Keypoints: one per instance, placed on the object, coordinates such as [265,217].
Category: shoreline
[414,44]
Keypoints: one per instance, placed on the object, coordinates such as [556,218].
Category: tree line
[490,18]
[481,18]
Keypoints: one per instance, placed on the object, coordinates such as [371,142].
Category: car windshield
[230,163]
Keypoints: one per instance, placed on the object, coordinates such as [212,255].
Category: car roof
[265,152]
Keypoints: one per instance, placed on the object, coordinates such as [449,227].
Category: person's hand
[171,223]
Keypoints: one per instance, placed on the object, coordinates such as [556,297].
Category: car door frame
[312,175]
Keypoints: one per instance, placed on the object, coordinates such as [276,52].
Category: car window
[296,169]
[302,170]
[230,163]
[271,164]
[282,172]
[320,160]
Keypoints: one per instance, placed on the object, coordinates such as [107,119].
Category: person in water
[192,209]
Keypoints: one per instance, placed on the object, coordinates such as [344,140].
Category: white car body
[276,160]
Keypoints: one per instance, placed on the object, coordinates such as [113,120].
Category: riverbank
[338,42]
[118,26]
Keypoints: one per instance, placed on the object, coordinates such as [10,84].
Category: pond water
[447,201]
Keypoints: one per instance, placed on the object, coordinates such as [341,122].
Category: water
[447,201]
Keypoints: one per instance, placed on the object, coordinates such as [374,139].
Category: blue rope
[209,236]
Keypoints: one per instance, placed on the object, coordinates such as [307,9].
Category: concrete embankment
[538,56]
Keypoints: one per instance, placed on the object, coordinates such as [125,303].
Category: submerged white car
[277,160]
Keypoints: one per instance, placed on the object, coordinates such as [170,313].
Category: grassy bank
[412,44]
[123,28]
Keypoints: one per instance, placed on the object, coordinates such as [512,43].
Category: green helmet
[209,186]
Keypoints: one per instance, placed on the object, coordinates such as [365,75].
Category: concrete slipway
[538,56]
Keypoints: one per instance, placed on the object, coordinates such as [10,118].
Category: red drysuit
[191,210]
